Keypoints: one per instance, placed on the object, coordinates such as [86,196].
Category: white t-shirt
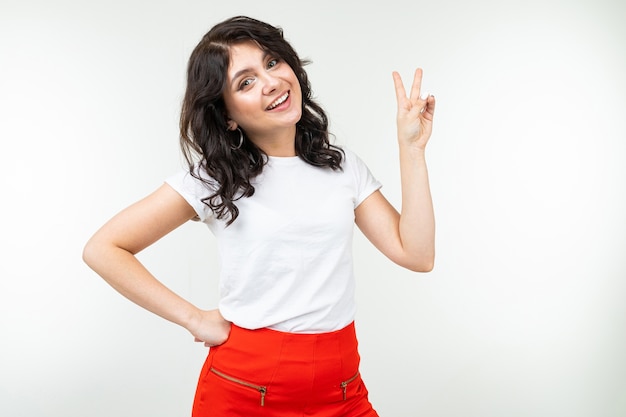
[286,261]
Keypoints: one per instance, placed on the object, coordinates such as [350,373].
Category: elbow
[422,267]
[425,269]
[421,263]
[89,254]
[94,253]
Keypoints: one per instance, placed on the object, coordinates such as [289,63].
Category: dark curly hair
[204,127]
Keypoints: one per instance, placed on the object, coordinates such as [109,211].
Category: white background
[524,314]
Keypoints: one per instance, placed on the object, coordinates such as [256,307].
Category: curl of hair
[205,140]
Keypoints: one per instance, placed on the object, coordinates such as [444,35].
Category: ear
[232,125]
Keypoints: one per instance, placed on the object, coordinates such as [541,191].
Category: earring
[234,148]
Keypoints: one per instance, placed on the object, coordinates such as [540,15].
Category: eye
[246,82]
[272,62]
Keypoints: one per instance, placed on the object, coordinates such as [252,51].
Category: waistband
[311,367]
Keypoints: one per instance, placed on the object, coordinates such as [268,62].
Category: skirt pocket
[262,390]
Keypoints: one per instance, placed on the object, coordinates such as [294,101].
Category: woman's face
[262,94]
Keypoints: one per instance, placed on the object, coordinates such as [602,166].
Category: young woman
[282,202]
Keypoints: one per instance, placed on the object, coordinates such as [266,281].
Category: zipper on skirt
[344,385]
[262,390]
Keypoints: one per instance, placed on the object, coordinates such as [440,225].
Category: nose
[270,83]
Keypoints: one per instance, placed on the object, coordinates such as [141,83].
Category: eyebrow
[245,70]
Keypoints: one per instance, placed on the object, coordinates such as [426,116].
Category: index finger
[397,82]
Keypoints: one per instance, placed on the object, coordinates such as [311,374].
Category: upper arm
[146,221]
[379,221]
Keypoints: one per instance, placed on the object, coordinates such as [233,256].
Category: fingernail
[424,96]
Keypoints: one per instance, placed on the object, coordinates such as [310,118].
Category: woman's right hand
[209,327]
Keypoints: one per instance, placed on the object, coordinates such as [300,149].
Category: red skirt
[271,373]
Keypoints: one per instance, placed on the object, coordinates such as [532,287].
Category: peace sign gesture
[415,113]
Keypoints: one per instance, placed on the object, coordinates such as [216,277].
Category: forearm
[123,271]
[417,218]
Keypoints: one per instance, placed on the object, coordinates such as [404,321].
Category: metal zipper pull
[344,385]
[263,391]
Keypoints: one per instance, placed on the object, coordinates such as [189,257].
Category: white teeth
[278,102]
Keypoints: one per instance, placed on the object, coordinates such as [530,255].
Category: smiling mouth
[280,100]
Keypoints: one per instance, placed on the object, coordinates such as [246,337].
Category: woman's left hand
[415,113]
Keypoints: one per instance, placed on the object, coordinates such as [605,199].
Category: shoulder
[192,177]
[351,160]
[194,185]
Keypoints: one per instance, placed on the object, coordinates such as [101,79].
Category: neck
[281,144]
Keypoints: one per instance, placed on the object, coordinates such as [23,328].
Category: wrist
[412,150]
[192,319]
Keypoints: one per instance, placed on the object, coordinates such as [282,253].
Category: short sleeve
[193,191]
[365,181]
